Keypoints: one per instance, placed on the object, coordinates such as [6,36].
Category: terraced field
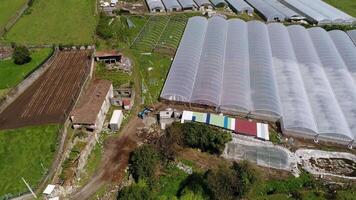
[161,33]
[52,95]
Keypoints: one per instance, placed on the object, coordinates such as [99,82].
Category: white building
[116,120]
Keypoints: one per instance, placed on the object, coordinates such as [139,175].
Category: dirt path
[116,150]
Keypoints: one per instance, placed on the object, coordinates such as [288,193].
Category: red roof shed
[246,127]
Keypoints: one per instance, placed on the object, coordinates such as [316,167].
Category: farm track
[51,97]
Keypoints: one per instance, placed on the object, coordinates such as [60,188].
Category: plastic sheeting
[287,12]
[303,77]
[264,93]
[308,12]
[236,94]
[181,77]
[339,77]
[296,110]
[335,15]
[326,110]
[269,13]
[346,49]
[240,6]
[208,84]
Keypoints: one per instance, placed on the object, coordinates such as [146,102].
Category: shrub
[21,55]
[143,162]
[247,176]
[223,183]
[206,138]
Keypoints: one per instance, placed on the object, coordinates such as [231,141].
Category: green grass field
[8,9]
[11,74]
[56,21]
[25,152]
[348,6]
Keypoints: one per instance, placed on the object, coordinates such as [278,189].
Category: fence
[14,18]
[20,88]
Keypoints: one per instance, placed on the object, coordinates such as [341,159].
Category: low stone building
[92,107]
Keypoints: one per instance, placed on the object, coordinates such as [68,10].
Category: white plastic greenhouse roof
[171,4]
[287,12]
[240,6]
[187,4]
[155,4]
[319,12]
[270,13]
[352,35]
[305,77]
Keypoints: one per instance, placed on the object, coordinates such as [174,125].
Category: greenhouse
[172,5]
[287,12]
[187,4]
[240,6]
[203,3]
[269,13]
[304,78]
[155,5]
[218,3]
[319,12]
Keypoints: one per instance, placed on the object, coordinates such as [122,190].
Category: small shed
[49,189]
[116,120]
[108,56]
[166,114]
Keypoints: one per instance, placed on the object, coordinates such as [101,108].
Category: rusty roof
[90,103]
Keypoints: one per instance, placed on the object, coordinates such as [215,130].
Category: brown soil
[115,161]
[52,95]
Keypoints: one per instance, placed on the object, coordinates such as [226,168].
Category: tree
[223,183]
[21,55]
[143,162]
[204,137]
[247,175]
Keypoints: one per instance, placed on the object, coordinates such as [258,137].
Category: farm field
[161,33]
[26,152]
[348,6]
[51,96]
[56,22]
[12,74]
[8,9]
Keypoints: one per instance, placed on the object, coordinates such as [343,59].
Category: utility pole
[28,186]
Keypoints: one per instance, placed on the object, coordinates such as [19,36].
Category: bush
[21,55]
[247,176]
[143,162]
[206,138]
[223,183]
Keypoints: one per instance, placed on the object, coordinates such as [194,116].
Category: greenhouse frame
[303,78]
